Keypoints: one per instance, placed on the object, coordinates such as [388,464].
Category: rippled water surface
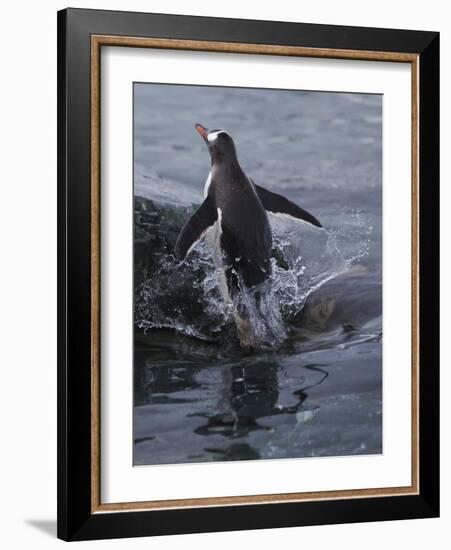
[314,388]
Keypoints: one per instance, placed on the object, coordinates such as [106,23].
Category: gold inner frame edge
[97,41]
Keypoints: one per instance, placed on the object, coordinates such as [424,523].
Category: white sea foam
[186,296]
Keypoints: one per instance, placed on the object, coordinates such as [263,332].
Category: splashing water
[185,296]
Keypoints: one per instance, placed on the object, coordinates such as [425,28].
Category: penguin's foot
[245,334]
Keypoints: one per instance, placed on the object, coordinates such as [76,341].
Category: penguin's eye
[218,135]
[212,136]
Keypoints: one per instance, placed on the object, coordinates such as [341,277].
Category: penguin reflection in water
[234,208]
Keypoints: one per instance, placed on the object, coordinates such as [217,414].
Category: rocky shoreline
[156,228]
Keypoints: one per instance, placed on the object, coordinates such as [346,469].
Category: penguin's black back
[245,231]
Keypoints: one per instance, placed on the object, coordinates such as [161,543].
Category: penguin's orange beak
[202,130]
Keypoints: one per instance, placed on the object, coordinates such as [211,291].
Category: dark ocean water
[317,392]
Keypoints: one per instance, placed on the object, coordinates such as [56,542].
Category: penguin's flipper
[195,228]
[277,204]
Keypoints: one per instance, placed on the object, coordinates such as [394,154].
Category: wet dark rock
[156,228]
[349,296]
[277,254]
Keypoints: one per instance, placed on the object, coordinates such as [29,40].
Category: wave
[185,296]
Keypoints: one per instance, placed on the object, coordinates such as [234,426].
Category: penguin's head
[219,142]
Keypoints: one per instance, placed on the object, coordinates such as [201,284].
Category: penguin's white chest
[213,239]
[207,185]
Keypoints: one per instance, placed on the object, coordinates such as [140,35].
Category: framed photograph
[248,274]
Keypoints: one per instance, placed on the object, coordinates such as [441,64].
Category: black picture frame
[76,521]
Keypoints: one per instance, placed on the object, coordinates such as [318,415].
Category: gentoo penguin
[236,207]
